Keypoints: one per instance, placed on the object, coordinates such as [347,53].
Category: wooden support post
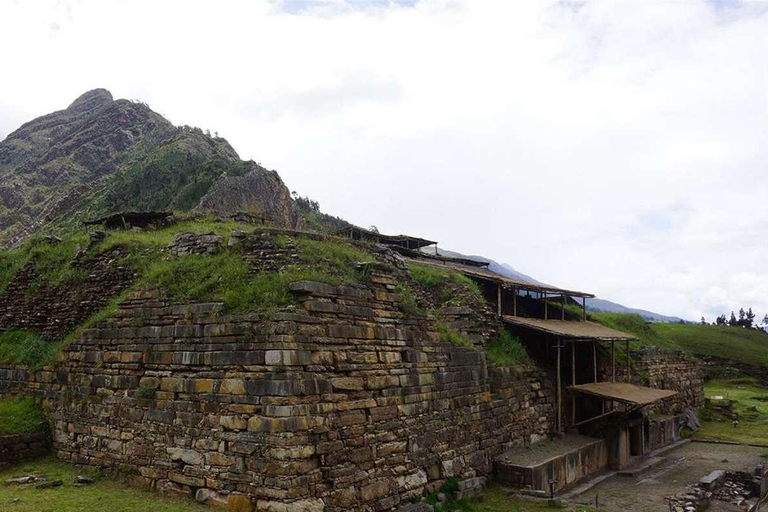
[628,367]
[584,307]
[573,382]
[559,390]
[594,357]
[562,307]
[545,305]
[498,300]
[514,301]
[613,360]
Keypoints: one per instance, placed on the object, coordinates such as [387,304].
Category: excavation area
[670,480]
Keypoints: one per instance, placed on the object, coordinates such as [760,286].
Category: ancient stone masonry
[345,403]
[662,369]
[53,311]
[17,447]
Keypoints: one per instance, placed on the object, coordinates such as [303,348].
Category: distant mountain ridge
[596,305]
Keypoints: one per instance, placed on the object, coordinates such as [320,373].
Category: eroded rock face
[100,156]
[258,192]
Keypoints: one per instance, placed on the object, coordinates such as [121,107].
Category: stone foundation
[343,404]
[17,447]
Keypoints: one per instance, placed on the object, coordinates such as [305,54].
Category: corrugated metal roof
[624,392]
[571,328]
[489,275]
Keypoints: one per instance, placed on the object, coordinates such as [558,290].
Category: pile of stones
[191,243]
[735,488]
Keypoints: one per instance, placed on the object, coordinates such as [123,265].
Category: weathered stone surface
[325,408]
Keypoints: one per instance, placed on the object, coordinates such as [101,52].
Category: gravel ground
[682,466]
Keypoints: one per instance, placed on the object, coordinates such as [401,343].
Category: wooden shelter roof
[412,242]
[489,275]
[571,329]
[624,392]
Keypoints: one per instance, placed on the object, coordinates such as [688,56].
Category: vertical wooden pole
[594,357]
[613,360]
[573,382]
[545,305]
[498,300]
[559,389]
[584,307]
[628,367]
[514,301]
[562,307]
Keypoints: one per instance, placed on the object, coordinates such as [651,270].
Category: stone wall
[662,369]
[54,311]
[675,371]
[17,447]
[345,403]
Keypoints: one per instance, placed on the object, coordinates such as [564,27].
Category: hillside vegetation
[734,343]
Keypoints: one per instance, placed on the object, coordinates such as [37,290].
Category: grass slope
[20,416]
[734,343]
[104,494]
[751,405]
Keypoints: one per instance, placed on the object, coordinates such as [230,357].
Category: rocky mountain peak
[91,99]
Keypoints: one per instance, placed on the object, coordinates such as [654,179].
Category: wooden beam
[559,390]
[498,299]
[545,305]
[562,307]
[613,360]
[573,383]
[584,307]
[594,357]
[629,370]
[514,301]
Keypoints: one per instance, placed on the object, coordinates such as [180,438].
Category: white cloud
[611,146]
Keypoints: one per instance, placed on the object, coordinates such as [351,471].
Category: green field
[734,343]
[751,405]
[104,494]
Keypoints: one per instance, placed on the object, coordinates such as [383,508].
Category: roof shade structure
[489,275]
[624,392]
[404,241]
[132,219]
[571,329]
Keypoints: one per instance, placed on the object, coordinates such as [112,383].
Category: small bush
[408,302]
[26,348]
[20,416]
[505,350]
[449,335]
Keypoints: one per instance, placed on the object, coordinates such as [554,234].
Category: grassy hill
[734,343]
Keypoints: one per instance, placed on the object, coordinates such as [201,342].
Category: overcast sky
[608,146]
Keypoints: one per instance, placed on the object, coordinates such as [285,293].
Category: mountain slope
[101,155]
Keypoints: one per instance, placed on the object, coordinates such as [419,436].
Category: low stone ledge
[17,447]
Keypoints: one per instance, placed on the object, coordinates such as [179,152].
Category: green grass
[157,238]
[50,260]
[750,403]
[21,416]
[430,278]
[734,343]
[505,350]
[104,494]
[25,348]
[449,335]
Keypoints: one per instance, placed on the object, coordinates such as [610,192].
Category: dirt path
[682,466]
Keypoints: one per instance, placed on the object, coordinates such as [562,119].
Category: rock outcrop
[101,155]
[258,192]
